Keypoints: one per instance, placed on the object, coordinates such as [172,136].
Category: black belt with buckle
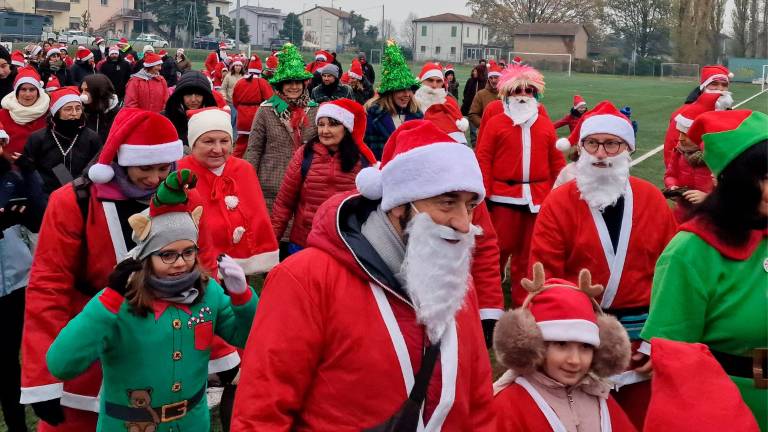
[165,413]
[755,366]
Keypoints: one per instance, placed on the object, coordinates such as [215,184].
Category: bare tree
[763,36]
[638,21]
[740,18]
[408,31]
[753,28]
[692,30]
[716,21]
[502,15]
[388,30]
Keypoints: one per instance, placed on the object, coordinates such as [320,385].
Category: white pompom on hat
[137,138]
[420,161]
[205,120]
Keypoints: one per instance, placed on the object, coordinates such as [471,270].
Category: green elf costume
[714,293]
[155,362]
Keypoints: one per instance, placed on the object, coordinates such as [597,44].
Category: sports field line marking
[661,147]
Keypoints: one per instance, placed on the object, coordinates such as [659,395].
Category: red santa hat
[63,48]
[84,54]
[519,76]
[27,75]
[207,119]
[17,59]
[557,310]
[254,66]
[517,60]
[272,62]
[322,55]
[344,78]
[222,45]
[98,40]
[35,50]
[603,118]
[113,50]
[449,119]
[705,102]
[449,68]
[152,59]
[420,161]
[162,53]
[578,101]
[711,73]
[356,70]
[137,138]
[63,96]
[431,70]
[52,51]
[352,115]
[682,373]
[52,84]
[494,70]
[130,58]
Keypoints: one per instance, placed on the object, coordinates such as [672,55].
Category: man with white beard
[432,90]
[374,326]
[714,79]
[517,155]
[610,223]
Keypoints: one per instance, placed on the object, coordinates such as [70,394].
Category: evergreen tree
[227,26]
[175,16]
[292,29]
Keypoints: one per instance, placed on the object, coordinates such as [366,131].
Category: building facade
[451,38]
[264,24]
[552,38]
[217,8]
[326,28]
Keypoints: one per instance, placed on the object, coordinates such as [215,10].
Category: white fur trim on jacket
[570,330]
[338,113]
[609,124]
[41,393]
[429,171]
[138,155]
[225,363]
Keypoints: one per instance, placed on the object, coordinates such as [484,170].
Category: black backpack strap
[82,187]
[309,153]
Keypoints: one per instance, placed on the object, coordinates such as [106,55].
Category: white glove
[232,275]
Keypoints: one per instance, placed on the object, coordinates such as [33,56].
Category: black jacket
[6,84]
[369,72]
[79,71]
[471,88]
[98,55]
[190,82]
[101,122]
[361,96]
[119,72]
[43,154]
[62,74]
[168,71]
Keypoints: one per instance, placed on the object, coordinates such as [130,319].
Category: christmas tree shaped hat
[395,73]
[290,66]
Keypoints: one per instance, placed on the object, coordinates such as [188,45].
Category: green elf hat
[724,135]
[395,73]
[290,66]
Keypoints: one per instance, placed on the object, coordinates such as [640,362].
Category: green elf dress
[707,291]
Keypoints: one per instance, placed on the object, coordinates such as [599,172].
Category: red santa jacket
[71,250]
[147,94]
[247,96]
[211,61]
[680,173]
[519,163]
[236,214]
[670,138]
[333,346]
[517,411]
[569,236]
[18,133]
[497,107]
[569,119]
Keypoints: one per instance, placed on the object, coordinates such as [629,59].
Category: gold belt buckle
[759,358]
[180,409]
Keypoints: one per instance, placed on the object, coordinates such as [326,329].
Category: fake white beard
[724,102]
[520,108]
[427,96]
[602,187]
[436,271]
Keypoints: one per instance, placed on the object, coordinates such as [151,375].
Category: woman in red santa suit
[559,348]
[520,163]
[83,235]
[247,96]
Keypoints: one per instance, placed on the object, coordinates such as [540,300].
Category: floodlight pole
[237,27]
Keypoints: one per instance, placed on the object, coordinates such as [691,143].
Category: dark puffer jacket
[301,197]
[189,83]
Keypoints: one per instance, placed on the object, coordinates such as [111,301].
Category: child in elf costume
[559,347]
[152,327]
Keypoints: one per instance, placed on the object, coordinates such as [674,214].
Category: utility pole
[237,27]
[381,30]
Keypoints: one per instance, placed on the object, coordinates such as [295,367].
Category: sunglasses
[524,90]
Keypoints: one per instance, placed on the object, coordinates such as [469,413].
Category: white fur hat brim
[608,124]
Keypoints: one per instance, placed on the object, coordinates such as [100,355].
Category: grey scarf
[380,233]
[176,290]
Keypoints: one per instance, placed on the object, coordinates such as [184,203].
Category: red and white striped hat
[254,66]
[84,54]
[431,70]
[63,96]
[152,59]
[137,138]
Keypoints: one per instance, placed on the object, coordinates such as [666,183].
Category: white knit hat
[420,161]
[205,120]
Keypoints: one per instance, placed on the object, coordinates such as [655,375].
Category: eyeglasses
[611,147]
[170,257]
[524,90]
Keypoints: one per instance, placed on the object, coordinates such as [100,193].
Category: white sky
[395,10]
